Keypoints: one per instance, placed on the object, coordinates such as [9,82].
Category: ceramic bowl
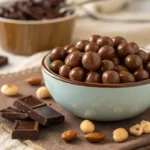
[97,101]
[29,37]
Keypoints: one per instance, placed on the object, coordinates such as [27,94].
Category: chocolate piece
[64,71]
[55,65]
[148,56]
[110,77]
[67,47]
[58,53]
[118,40]
[143,55]
[93,77]
[107,65]
[39,111]
[74,59]
[94,38]
[81,44]
[116,60]
[135,47]
[106,52]
[3,60]
[72,49]
[102,41]
[25,130]
[141,67]
[147,67]
[92,47]
[10,109]
[120,68]
[141,74]
[13,116]
[77,74]
[35,10]
[133,61]
[126,77]
[125,49]
[91,61]
[48,116]
[29,102]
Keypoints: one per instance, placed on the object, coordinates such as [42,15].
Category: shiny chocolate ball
[58,53]
[118,40]
[110,77]
[126,77]
[107,65]
[81,44]
[141,74]
[147,67]
[55,65]
[93,77]
[77,74]
[106,52]
[91,47]
[91,61]
[94,38]
[135,46]
[120,68]
[72,49]
[64,71]
[67,47]
[102,41]
[141,67]
[125,49]
[133,61]
[74,59]
[116,60]
[143,55]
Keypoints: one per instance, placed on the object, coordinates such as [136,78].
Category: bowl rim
[28,22]
[46,69]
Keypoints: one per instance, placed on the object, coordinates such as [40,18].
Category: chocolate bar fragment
[25,130]
[31,102]
[3,60]
[39,111]
[10,109]
[13,114]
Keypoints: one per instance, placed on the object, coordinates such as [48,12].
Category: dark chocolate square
[32,101]
[51,116]
[25,130]
[3,60]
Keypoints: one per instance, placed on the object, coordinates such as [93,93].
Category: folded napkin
[50,138]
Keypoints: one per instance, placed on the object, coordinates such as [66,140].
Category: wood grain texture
[29,37]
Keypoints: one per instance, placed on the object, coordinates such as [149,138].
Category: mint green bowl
[97,101]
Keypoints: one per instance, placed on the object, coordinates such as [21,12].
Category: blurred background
[127,18]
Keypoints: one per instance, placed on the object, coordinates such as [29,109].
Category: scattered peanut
[95,137]
[9,90]
[87,126]
[69,135]
[42,92]
[146,126]
[136,130]
[35,81]
[120,135]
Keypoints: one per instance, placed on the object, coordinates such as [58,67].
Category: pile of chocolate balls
[101,59]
